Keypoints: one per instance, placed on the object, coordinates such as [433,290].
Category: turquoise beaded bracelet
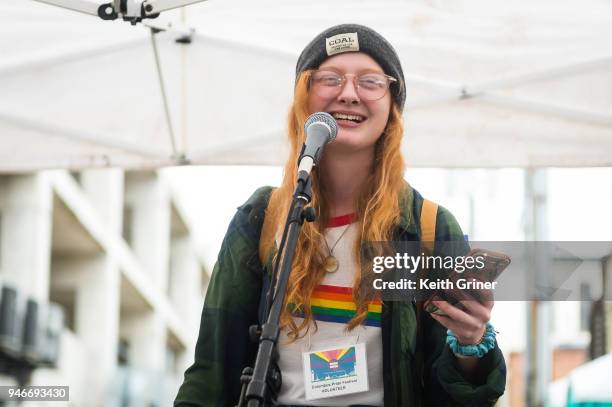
[477,350]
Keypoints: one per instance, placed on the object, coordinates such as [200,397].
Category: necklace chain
[331,263]
[331,250]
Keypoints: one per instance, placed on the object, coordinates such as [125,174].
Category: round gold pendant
[331,264]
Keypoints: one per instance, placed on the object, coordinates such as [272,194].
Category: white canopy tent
[490,83]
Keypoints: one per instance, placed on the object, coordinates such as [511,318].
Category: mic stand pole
[261,384]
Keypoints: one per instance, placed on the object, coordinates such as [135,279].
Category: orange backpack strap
[428,225]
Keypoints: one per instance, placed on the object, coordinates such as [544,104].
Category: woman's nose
[348,93]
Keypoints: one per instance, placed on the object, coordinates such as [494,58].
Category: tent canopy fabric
[587,385]
[490,83]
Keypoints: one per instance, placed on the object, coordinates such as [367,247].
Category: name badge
[335,371]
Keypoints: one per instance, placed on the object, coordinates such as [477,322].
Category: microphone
[320,129]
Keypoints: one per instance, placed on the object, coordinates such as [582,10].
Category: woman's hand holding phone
[466,312]
[467,318]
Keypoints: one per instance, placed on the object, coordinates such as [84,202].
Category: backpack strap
[429,211]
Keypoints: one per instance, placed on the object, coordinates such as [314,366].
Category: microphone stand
[261,384]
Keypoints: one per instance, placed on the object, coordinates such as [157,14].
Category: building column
[97,326]
[538,355]
[104,188]
[186,293]
[147,338]
[97,301]
[186,285]
[25,240]
[149,203]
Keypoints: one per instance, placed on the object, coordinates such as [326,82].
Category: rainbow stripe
[331,303]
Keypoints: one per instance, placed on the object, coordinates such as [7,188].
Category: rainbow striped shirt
[331,303]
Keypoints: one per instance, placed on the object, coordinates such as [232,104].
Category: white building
[117,253]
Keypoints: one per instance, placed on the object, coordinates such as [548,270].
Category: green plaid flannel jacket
[419,369]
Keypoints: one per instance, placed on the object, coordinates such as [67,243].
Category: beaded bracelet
[478,350]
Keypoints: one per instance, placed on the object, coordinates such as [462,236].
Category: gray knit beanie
[354,38]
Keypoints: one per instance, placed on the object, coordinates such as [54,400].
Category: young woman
[374,353]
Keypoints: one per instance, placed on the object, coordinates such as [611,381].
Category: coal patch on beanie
[355,38]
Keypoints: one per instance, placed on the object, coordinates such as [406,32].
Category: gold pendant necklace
[331,263]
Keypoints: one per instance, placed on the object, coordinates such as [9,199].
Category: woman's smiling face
[368,118]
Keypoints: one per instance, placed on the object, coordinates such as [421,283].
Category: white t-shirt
[332,308]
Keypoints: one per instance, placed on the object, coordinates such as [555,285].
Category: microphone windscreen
[322,117]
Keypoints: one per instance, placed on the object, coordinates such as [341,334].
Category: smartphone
[494,264]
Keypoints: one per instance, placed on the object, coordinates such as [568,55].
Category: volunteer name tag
[335,371]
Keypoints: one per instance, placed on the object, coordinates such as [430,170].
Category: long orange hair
[377,212]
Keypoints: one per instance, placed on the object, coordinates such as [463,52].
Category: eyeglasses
[370,86]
